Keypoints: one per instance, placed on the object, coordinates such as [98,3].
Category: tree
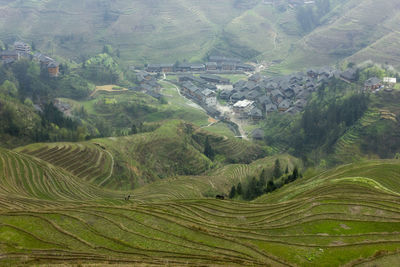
[251,189]
[208,150]
[295,173]
[277,169]
[306,18]
[9,88]
[293,177]
[239,190]
[263,178]
[134,129]
[287,170]
[33,46]
[107,49]
[232,193]
[270,186]
[323,7]
[28,102]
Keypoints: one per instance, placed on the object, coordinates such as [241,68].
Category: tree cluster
[309,17]
[264,184]
[323,123]
[208,150]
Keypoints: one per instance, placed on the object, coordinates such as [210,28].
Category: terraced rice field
[236,150]
[26,181]
[346,148]
[88,161]
[347,215]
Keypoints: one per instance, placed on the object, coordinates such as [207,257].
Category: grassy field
[221,129]
[347,215]
[181,108]
[121,109]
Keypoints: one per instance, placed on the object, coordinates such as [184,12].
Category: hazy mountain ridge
[166,31]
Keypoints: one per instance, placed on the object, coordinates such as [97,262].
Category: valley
[199,133]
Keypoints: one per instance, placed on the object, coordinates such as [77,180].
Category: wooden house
[22,48]
[373,83]
[9,55]
[53,69]
[211,66]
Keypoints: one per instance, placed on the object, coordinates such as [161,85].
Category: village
[245,101]
[251,100]
[23,50]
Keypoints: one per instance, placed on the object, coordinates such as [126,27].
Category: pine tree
[277,169]
[239,190]
[208,150]
[134,129]
[295,173]
[270,186]
[251,189]
[263,178]
[232,194]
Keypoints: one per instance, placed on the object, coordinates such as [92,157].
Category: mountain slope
[166,31]
[351,211]
[358,29]
[24,178]
[175,148]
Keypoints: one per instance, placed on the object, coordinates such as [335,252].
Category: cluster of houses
[373,84]
[148,84]
[214,65]
[23,50]
[258,96]
[203,90]
[255,98]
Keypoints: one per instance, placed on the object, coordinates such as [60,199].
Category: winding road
[222,109]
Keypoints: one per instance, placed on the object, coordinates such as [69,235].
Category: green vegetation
[310,18]
[267,182]
[102,174]
[157,151]
[317,34]
[49,216]
[341,123]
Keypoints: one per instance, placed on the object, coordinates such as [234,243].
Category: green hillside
[174,148]
[212,183]
[24,178]
[95,172]
[360,30]
[345,215]
[166,31]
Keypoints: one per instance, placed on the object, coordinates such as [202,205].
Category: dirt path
[222,109]
[189,102]
[211,124]
[240,128]
[275,36]
[108,88]
[231,115]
